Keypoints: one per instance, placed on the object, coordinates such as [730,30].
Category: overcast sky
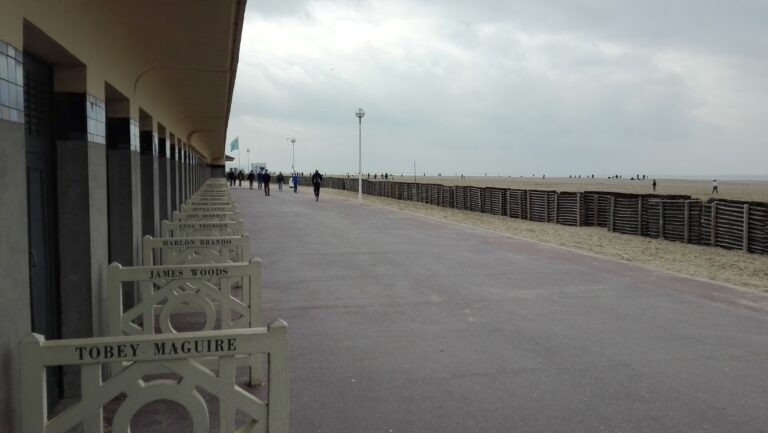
[503,86]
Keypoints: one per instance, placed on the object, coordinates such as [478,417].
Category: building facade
[111,115]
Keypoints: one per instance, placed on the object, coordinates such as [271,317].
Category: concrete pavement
[400,323]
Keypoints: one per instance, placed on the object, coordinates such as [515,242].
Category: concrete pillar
[124,190]
[187,170]
[81,179]
[163,173]
[192,176]
[182,173]
[195,173]
[149,167]
[173,174]
[15,312]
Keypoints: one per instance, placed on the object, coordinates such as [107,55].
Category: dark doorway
[42,208]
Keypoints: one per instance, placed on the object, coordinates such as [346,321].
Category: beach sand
[728,266]
[750,190]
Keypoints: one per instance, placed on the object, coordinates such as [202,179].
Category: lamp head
[360,113]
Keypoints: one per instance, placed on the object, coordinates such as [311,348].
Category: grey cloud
[516,87]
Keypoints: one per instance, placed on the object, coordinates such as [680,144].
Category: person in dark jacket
[266,178]
[251,178]
[317,179]
[280,180]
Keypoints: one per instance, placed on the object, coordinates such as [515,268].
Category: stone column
[124,190]
[182,174]
[150,189]
[173,175]
[163,173]
[81,179]
[15,312]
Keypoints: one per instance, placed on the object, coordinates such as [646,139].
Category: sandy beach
[741,269]
[751,190]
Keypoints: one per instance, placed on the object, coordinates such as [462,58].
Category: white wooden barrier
[205,216]
[207,208]
[202,202]
[215,194]
[211,196]
[167,290]
[184,288]
[197,250]
[178,229]
[177,354]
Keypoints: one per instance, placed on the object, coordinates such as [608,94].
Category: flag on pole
[234,145]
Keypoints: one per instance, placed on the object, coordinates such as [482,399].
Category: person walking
[714,186]
[317,179]
[266,179]
[259,179]
[251,178]
[654,185]
[240,178]
[280,180]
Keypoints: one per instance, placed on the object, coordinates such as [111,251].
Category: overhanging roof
[174,59]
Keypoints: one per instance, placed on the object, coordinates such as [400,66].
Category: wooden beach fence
[722,223]
[733,224]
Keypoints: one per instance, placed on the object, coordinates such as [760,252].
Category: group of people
[263,179]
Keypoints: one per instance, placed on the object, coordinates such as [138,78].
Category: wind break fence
[729,224]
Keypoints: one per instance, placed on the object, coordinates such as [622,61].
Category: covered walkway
[401,323]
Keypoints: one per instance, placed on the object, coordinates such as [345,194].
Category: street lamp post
[248,155]
[360,113]
[293,146]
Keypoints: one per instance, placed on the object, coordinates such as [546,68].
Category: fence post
[557,199]
[578,209]
[596,199]
[613,205]
[745,241]
[528,205]
[686,227]
[640,216]
[712,231]
[661,219]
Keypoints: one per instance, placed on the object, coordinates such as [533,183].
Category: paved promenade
[400,323]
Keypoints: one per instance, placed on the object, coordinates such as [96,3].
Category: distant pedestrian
[251,178]
[240,178]
[295,180]
[654,185]
[266,178]
[280,180]
[260,179]
[714,186]
[317,179]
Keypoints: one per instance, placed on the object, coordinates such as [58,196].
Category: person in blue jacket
[295,180]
